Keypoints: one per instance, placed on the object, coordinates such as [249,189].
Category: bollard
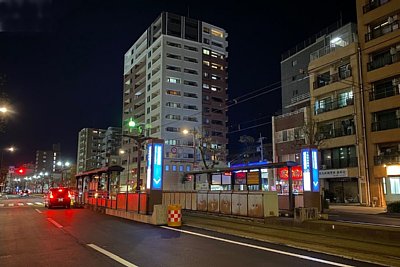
[174,215]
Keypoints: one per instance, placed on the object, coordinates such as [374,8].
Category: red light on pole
[21,171]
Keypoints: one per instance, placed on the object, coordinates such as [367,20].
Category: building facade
[379,34]
[336,117]
[90,149]
[175,79]
[46,160]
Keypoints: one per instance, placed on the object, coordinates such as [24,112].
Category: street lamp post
[122,152]
[193,132]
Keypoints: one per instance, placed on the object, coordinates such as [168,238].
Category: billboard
[154,171]
[309,164]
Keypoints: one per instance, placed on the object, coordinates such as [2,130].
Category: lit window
[395,186]
[206,86]
[217,33]
[206,30]
[181,168]
[173,92]
[174,168]
[173,80]
[188,168]
[167,168]
[207,63]
[384,185]
[206,51]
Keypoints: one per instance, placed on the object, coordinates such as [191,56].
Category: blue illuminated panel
[157,167]
[305,163]
[315,174]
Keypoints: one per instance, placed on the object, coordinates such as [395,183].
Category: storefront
[391,183]
[282,186]
[338,187]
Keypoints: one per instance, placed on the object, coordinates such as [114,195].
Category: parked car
[58,197]
[24,193]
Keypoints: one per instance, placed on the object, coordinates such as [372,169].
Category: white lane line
[262,248]
[20,204]
[38,211]
[39,203]
[112,256]
[29,204]
[11,204]
[1,205]
[55,223]
[372,224]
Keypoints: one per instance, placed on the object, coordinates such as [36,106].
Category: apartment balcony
[333,105]
[387,159]
[384,60]
[385,125]
[337,132]
[336,77]
[378,32]
[373,5]
[385,92]
[339,163]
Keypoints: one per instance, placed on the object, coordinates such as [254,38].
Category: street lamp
[193,132]
[63,165]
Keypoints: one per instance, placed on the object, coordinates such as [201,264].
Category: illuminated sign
[240,177]
[393,170]
[157,170]
[314,167]
[149,156]
[253,177]
[297,173]
[305,164]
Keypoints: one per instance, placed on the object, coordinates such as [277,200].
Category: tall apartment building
[46,160]
[175,79]
[336,117]
[90,149]
[111,146]
[379,33]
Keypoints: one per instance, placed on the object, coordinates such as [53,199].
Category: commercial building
[379,34]
[175,79]
[337,117]
[46,160]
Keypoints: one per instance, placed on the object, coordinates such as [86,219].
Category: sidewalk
[356,209]
[361,242]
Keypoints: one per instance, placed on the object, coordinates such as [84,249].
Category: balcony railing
[386,125]
[373,4]
[335,104]
[337,132]
[378,32]
[386,59]
[387,91]
[387,159]
[345,41]
[336,77]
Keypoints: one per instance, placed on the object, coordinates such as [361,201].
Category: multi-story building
[379,33]
[336,117]
[90,149]
[111,145]
[175,79]
[46,160]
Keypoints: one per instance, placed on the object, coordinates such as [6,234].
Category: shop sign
[253,177]
[334,173]
[240,177]
[305,164]
[309,164]
[297,173]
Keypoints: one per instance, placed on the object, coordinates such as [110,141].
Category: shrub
[394,207]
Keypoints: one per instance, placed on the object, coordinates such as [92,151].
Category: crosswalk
[21,204]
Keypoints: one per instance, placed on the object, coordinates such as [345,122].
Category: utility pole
[261,147]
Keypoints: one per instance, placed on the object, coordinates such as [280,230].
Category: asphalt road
[32,235]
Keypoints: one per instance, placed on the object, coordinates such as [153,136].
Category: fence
[136,202]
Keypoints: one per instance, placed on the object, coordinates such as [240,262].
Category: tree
[248,141]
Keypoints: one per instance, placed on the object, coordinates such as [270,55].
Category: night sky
[64,67]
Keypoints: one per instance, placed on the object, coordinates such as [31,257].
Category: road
[32,235]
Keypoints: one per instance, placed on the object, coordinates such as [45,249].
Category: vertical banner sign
[305,162]
[149,161]
[157,170]
[315,172]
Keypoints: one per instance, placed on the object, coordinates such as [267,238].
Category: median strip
[112,256]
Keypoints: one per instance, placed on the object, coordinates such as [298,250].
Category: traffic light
[21,171]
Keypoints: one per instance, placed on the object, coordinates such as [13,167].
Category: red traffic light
[21,171]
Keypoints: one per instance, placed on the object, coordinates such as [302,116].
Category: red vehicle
[58,197]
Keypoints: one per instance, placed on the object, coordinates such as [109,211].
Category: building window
[395,186]
[173,117]
[206,51]
[191,48]
[173,56]
[167,168]
[172,129]
[173,105]
[206,30]
[217,33]
[191,83]
[294,63]
[206,41]
[190,71]
[192,95]
[207,63]
[174,68]
[384,185]
[190,59]
[174,168]
[188,168]
[181,168]
[206,86]
[173,80]
[173,92]
[174,44]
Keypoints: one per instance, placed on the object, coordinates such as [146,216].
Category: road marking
[1,205]
[261,248]
[55,223]
[112,256]
[20,204]
[38,210]
[372,224]
[11,204]
[29,204]
[39,203]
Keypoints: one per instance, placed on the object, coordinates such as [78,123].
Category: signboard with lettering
[157,171]
[149,165]
[305,164]
[314,167]
[334,173]
[253,177]
[240,177]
